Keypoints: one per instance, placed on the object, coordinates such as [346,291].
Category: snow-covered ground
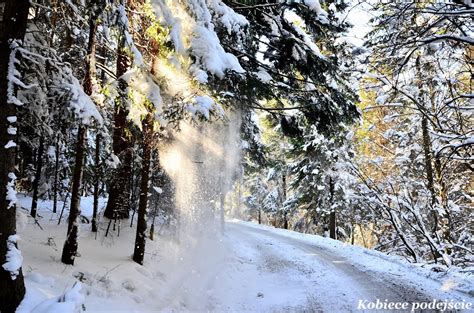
[251,268]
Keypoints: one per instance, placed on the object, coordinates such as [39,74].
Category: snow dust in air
[202,161]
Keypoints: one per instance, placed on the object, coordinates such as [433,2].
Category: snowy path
[260,270]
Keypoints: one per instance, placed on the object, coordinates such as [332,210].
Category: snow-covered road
[261,269]
[328,281]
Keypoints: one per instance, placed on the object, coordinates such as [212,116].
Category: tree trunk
[89,82]
[427,150]
[155,212]
[139,251]
[96,183]
[332,214]
[444,219]
[428,159]
[332,225]
[363,236]
[222,213]
[158,178]
[134,186]
[89,79]
[12,26]
[352,233]
[118,205]
[39,166]
[56,174]
[70,246]
[152,230]
[239,197]
[283,199]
